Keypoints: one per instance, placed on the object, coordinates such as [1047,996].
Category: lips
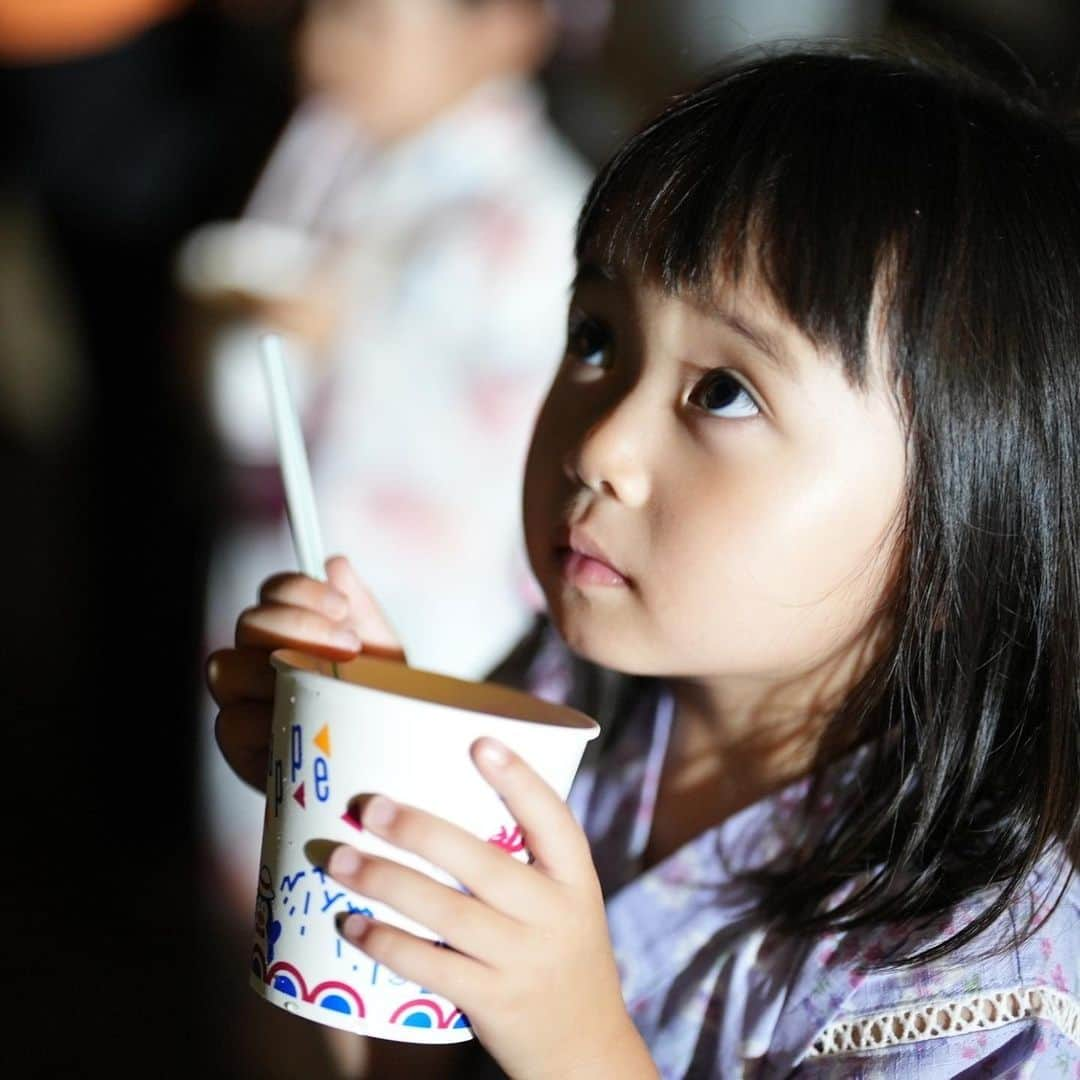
[583,561]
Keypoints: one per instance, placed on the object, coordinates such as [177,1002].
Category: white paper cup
[381,727]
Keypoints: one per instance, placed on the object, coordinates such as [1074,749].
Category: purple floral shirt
[716,994]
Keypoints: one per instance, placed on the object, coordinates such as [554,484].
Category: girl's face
[706,495]
[393,64]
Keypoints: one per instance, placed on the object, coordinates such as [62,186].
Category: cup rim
[404,680]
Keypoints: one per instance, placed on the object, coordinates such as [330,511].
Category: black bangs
[830,175]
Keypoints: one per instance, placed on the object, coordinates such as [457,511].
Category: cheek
[825,536]
[782,566]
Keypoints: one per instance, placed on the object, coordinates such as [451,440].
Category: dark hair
[862,178]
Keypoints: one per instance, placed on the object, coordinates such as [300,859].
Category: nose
[611,458]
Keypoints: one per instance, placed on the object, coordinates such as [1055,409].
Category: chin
[602,645]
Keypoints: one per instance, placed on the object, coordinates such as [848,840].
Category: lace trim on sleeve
[938,1019]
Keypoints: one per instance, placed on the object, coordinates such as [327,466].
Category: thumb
[365,616]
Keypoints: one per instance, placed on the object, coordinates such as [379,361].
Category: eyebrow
[756,336]
[759,338]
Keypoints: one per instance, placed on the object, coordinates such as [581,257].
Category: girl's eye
[588,342]
[721,394]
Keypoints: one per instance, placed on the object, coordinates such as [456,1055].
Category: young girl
[804,503]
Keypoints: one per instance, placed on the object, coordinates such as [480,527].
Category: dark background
[112,493]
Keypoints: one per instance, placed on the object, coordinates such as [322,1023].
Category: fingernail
[493,752]
[379,812]
[318,852]
[355,926]
[343,861]
[345,639]
[335,605]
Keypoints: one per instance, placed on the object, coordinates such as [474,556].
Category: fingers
[460,978]
[243,736]
[242,683]
[334,618]
[552,834]
[273,625]
[366,617]
[459,920]
[301,591]
[236,675]
[484,869]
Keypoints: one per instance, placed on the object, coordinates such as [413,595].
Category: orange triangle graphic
[322,740]
[298,794]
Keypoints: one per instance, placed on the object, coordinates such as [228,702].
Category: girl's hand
[529,958]
[334,619]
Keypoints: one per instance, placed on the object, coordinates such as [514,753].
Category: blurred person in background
[411,237]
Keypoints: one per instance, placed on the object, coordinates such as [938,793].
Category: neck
[761,734]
